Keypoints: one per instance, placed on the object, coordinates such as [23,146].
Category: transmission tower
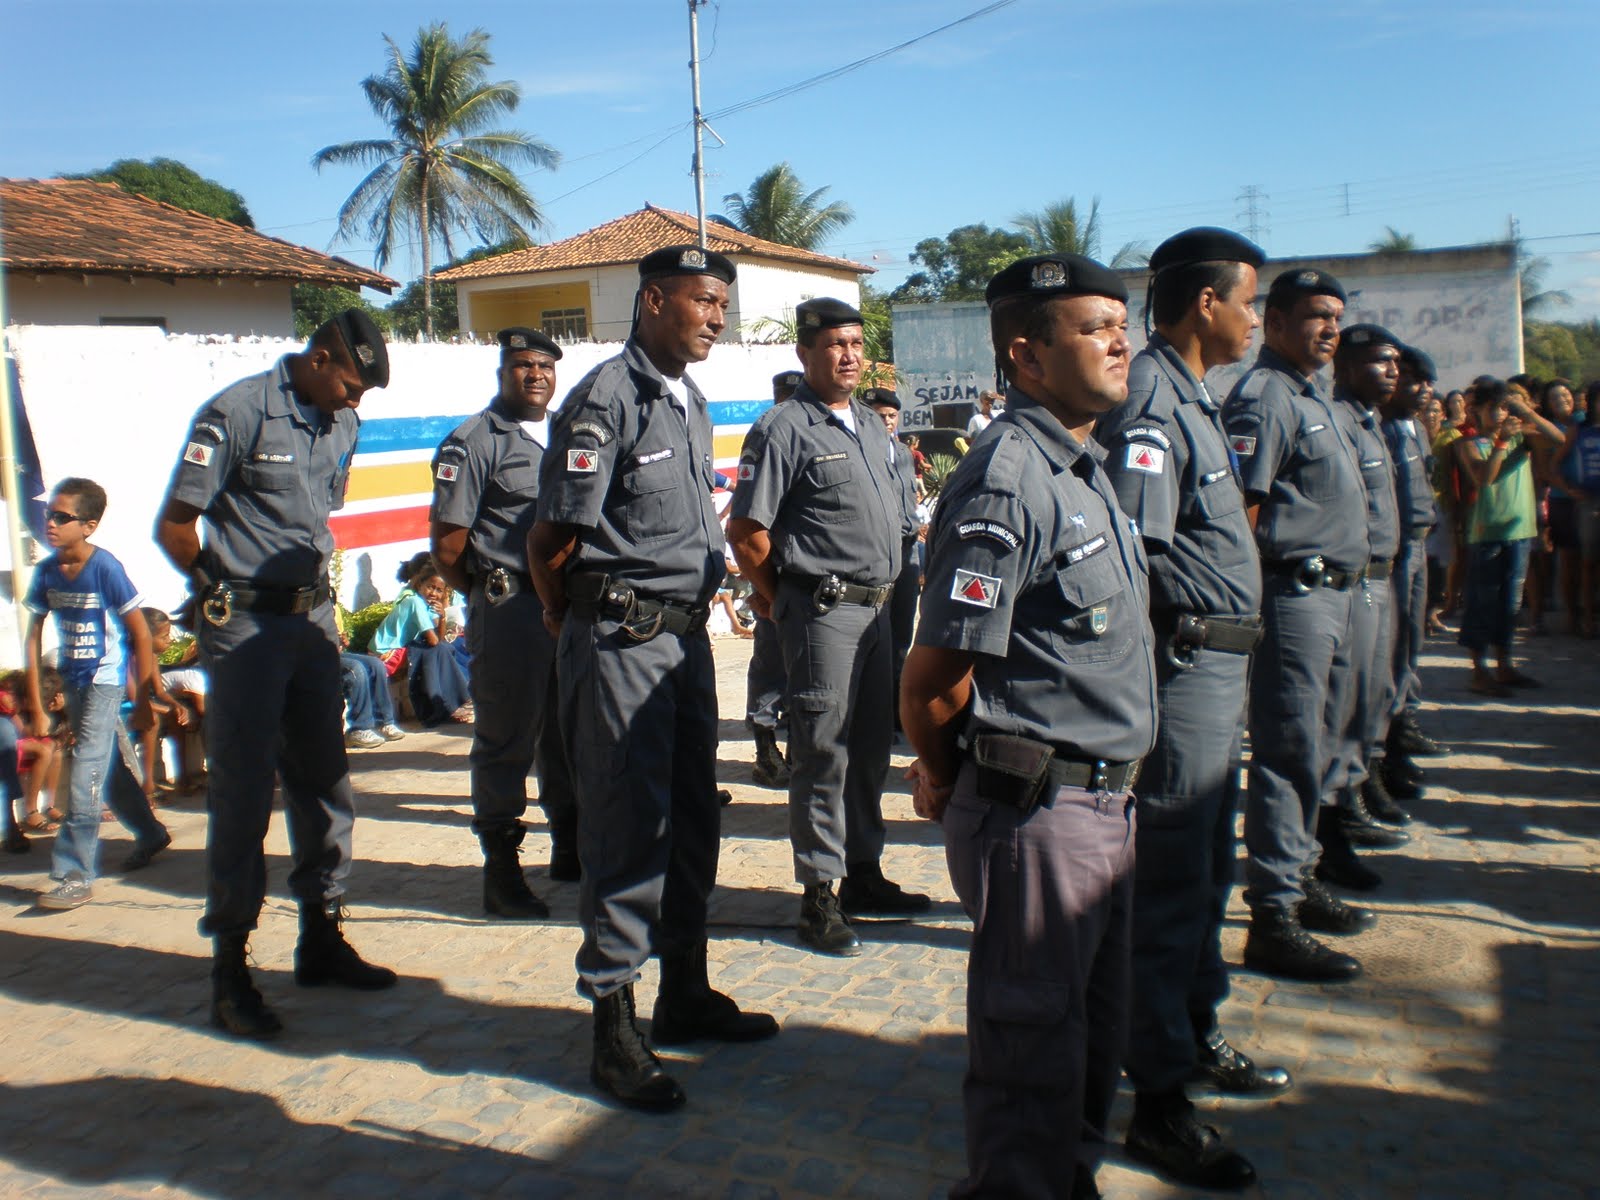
[1253,211]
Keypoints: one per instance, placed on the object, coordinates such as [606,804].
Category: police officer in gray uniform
[1365,372]
[903,603]
[1030,700]
[766,681]
[485,486]
[816,528]
[626,555]
[1303,492]
[1168,458]
[266,461]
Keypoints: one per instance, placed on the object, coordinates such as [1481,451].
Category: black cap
[364,340]
[1050,275]
[1421,365]
[685,260]
[824,312]
[1205,243]
[1352,336]
[873,397]
[520,337]
[1305,281]
[787,379]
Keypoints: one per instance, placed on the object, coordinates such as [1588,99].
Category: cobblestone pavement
[1462,1065]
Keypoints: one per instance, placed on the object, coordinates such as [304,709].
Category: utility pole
[699,121]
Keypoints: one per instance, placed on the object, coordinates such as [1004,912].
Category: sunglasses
[56,517]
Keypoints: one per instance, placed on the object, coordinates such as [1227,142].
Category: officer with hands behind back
[266,462]
[485,489]
[1029,698]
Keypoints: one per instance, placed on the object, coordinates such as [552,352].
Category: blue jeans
[98,769]
[366,691]
[10,778]
[1495,573]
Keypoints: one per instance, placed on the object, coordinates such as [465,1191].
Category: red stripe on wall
[379,528]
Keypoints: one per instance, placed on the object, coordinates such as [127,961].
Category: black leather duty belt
[497,583]
[1313,572]
[247,597]
[1377,569]
[1192,633]
[1023,773]
[829,591]
[641,617]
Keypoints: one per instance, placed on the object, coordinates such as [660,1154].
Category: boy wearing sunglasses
[88,592]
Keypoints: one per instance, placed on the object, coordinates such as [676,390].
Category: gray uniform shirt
[1033,567]
[486,480]
[1168,458]
[633,471]
[1377,477]
[906,473]
[827,495]
[1295,463]
[266,470]
[1412,483]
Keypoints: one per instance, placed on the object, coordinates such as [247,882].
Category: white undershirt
[846,416]
[680,392]
[536,430]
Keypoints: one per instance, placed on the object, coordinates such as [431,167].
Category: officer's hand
[928,797]
[761,606]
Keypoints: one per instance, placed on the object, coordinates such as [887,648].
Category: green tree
[777,207]
[1394,242]
[442,170]
[959,265]
[407,311]
[878,324]
[169,181]
[313,304]
[1059,229]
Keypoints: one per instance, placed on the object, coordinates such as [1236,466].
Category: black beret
[1050,275]
[787,379]
[1306,281]
[364,340]
[873,397]
[824,312]
[1205,243]
[520,337]
[1367,335]
[686,260]
[1421,365]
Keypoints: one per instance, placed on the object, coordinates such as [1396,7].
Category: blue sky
[1442,118]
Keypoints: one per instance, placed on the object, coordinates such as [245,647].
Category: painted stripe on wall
[389,479]
[379,528]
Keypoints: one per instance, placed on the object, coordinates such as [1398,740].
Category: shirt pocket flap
[829,474]
[268,477]
[652,477]
[1091,582]
[1315,445]
[1221,497]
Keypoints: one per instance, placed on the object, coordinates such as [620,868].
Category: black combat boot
[1224,1069]
[564,865]
[624,1065]
[1323,912]
[1406,737]
[1278,944]
[1338,862]
[1362,829]
[688,1008]
[866,893]
[1166,1134]
[236,1006]
[822,926]
[1402,777]
[770,769]
[323,956]
[505,891]
[1379,802]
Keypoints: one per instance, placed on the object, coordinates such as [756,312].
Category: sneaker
[363,739]
[72,892]
[391,732]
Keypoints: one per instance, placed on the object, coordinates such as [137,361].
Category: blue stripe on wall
[387,434]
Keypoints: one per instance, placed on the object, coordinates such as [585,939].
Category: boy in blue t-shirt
[86,589]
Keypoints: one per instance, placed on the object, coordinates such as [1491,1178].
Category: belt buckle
[1311,574]
[498,586]
[1098,779]
[303,602]
[217,607]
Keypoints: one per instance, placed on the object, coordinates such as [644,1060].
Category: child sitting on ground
[81,585]
[368,707]
[178,699]
[415,632]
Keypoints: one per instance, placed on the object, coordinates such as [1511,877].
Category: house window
[136,322]
[565,324]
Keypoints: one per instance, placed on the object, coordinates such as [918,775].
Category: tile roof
[83,227]
[630,238]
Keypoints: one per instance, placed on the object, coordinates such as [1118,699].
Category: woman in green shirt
[1500,527]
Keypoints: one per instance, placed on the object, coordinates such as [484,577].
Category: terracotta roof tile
[630,238]
[79,226]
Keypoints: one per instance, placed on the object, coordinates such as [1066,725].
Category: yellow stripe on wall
[390,479]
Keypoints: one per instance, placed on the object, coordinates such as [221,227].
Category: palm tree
[441,170]
[777,207]
[1394,242]
[1057,229]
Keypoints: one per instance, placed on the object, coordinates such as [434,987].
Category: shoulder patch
[747,470]
[1152,460]
[969,587]
[994,530]
[1242,445]
[1148,433]
[211,430]
[447,472]
[592,429]
[583,462]
[199,454]
[454,449]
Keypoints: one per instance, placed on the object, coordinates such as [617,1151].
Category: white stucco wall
[187,305]
[768,290]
